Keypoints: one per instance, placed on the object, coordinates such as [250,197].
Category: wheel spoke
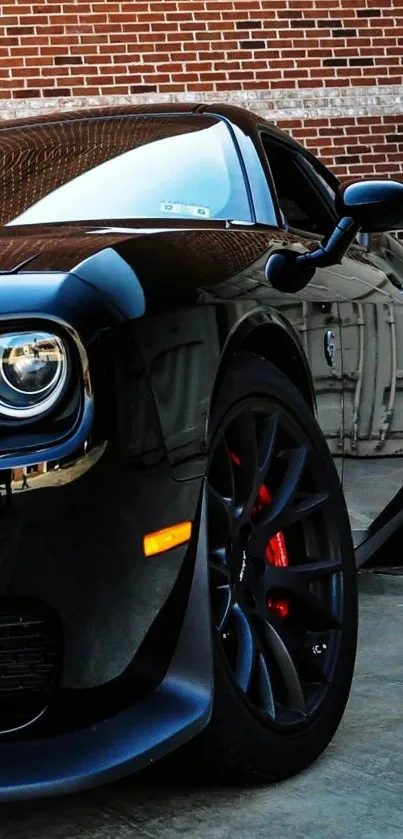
[307,662]
[264,687]
[294,580]
[276,516]
[288,506]
[315,614]
[297,577]
[296,462]
[219,519]
[221,588]
[219,503]
[243,438]
[307,503]
[219,569]
[311,665]
[287,668]
[245,647]
[222,606]
[314,570]
[266,445]
[223,471]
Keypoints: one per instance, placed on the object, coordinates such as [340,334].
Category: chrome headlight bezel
[46,359]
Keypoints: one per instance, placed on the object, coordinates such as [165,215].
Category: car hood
[60,247]
[170,262]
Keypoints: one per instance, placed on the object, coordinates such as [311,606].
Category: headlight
[33,373]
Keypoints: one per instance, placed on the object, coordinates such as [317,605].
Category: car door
[366,312]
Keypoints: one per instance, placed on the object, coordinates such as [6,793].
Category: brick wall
[353,146]
[330,71]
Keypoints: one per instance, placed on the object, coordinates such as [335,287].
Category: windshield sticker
[190,209]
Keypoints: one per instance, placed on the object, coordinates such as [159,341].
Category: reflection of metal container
[313,321]
[373,381]
[372,377]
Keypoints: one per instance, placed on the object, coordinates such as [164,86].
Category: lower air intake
[30,658]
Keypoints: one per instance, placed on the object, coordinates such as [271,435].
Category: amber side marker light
[169,537]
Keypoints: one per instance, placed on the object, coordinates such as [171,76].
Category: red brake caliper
[275,551]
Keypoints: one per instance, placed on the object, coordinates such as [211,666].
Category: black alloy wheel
[275,570]
[282,577]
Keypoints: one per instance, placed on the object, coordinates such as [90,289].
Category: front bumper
[135,737]
[126,675]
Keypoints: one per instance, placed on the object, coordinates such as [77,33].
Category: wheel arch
[271,337]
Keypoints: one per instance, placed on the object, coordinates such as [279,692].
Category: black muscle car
[201,340]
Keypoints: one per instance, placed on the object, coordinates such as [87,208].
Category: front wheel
[282,579]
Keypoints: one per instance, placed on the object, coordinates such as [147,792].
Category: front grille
[30,658]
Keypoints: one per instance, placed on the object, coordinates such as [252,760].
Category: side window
[328,189]
[302,202]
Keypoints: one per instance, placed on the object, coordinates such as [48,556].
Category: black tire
[243,739]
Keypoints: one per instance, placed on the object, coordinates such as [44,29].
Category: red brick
[115,89]
[86,90]
[194,45]
[310,82]
[280,84]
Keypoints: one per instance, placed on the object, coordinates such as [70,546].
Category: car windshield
[165,167]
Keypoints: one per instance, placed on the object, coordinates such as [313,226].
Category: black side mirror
[370,206]
[376,206]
